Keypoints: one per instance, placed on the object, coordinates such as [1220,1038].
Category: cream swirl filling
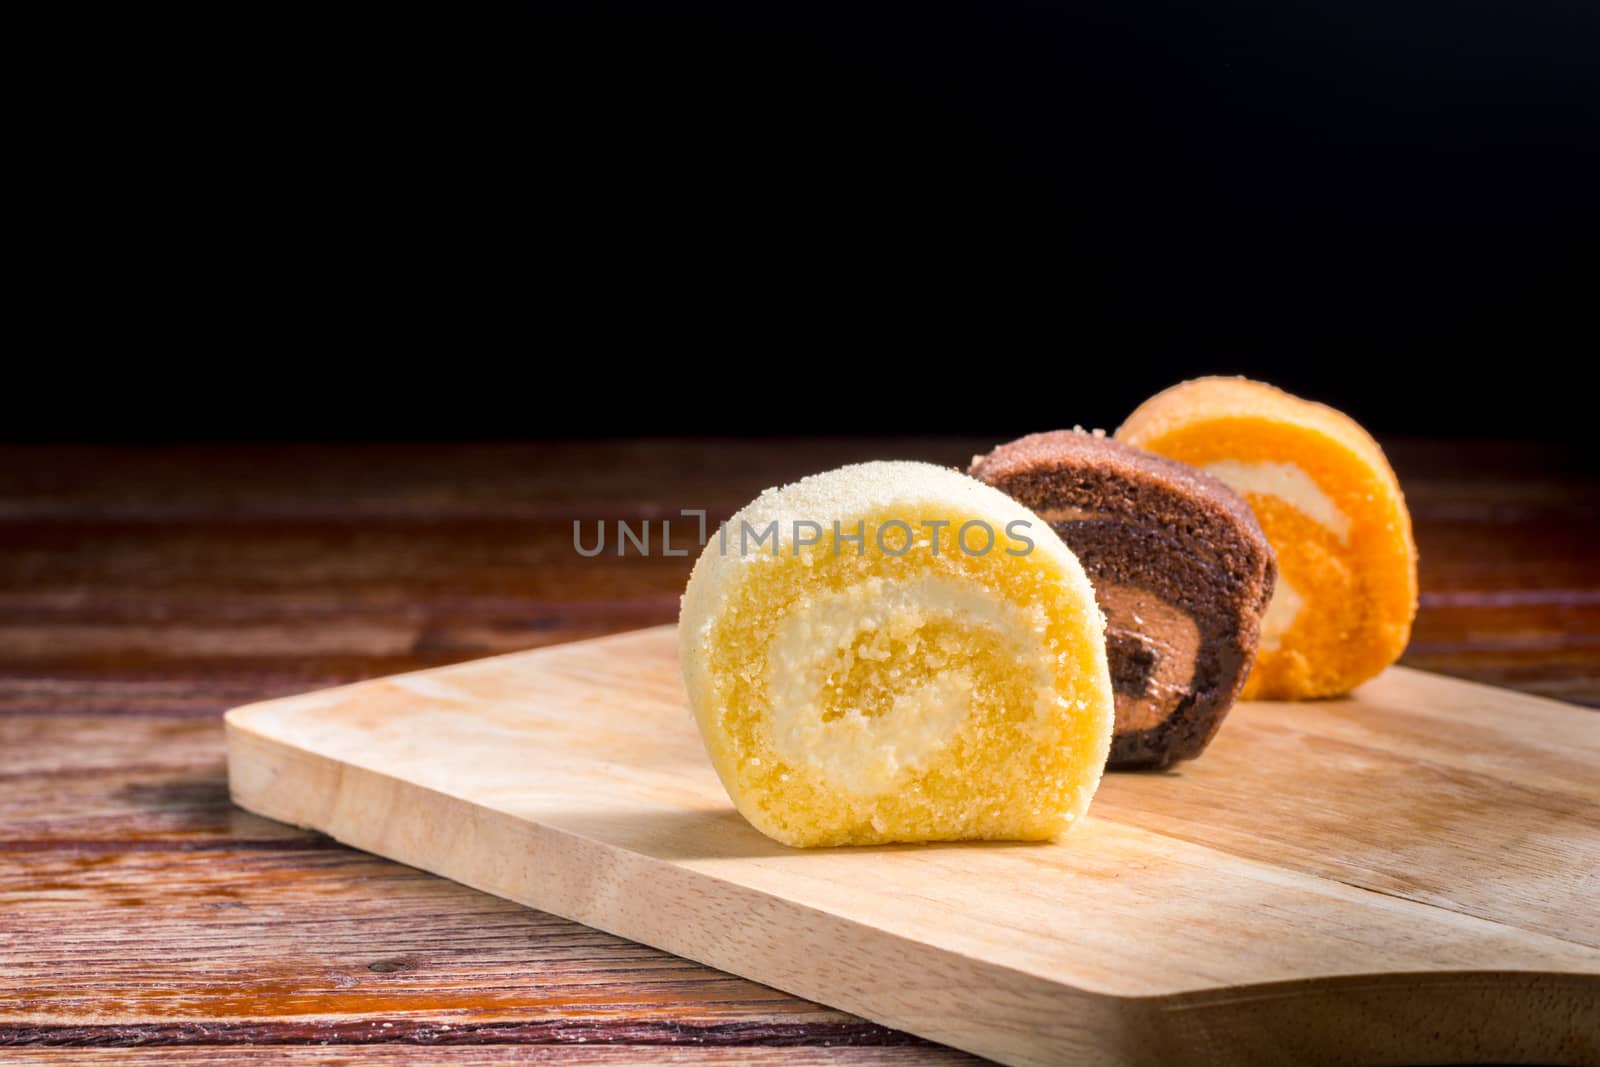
[1282,610]
[869,684]
[1288,483]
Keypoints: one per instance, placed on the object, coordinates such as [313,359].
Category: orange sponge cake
[1332,508]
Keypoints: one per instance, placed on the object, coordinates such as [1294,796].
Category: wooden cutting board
[1409,875]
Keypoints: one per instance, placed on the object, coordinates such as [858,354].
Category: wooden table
[145,590]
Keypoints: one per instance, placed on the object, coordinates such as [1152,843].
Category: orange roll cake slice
[897,652]
[1333,511]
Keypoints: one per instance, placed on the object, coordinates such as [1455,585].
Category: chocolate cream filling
[1172,632]
[1153,648]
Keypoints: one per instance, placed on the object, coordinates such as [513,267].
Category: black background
[797,218]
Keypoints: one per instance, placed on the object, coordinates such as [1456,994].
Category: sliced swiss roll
[896,652]
[1179,565]
[1333,510]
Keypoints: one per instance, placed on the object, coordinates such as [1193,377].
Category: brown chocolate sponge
[1179,565]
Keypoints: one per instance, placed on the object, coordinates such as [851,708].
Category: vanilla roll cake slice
[1180,567]
[896,652]
[1333,510]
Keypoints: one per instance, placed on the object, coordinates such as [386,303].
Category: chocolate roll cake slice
[1179,565]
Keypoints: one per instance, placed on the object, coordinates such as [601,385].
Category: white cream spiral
[868,754]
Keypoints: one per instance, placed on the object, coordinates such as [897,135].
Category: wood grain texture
[1407,846]
[145,590]
[491,1055]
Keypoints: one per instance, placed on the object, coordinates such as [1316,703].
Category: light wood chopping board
[1408,875]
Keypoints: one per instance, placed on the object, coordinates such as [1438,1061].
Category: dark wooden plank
[382,1046]
[145,590]
[320,937]
[142,908]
